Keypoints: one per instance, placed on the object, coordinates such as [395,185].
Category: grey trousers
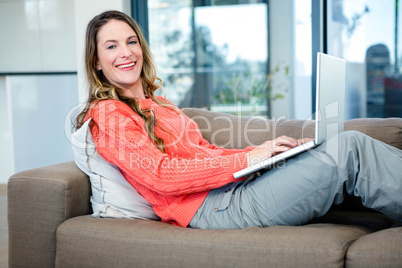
[306,186]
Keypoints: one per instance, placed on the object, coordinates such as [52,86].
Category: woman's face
[120,57]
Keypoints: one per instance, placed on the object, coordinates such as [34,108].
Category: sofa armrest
[39,200]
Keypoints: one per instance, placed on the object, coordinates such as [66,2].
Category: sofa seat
[142,243]
[379,249]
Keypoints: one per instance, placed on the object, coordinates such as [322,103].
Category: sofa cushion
[112,195]
[239,132]
[86,241]
[388,130]
[379,249]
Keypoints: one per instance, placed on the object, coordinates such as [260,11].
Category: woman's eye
[111,47]
[132,42]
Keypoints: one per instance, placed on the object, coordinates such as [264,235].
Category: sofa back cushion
[112,196]
[239,132]
[388,130]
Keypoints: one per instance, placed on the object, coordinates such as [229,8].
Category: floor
[3,227]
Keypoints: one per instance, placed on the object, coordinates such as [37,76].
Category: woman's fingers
[285,140]
[256,156]
[280,141]
[274,147]
[304,140]
[278,149]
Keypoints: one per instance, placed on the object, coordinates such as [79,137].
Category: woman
[188,181]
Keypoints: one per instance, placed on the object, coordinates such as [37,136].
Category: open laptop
[329,115]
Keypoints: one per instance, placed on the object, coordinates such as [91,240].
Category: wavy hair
[101,89]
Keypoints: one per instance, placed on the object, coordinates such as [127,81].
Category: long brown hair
[101,89]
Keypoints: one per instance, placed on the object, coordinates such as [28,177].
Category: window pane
[363,32]
[208,56]
[170,38]
[302,61]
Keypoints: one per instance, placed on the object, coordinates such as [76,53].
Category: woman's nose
[126,52]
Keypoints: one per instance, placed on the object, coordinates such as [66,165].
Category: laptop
[329,114]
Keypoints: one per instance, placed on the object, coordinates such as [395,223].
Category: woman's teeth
[126,65]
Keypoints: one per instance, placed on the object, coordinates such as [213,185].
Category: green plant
[253,88]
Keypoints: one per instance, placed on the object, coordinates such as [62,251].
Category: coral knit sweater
[176,182]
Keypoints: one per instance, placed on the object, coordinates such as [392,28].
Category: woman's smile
[126,66]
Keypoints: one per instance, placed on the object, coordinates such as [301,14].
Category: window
[366,34]
[209,56]
[302,64]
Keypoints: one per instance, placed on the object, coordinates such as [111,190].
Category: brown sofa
[50,223]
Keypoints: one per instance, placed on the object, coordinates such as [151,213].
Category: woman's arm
[121,139]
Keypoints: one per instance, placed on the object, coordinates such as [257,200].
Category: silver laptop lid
[330,97]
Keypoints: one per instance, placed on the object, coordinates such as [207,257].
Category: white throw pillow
[112,196]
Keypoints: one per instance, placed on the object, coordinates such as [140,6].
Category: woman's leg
[306,186]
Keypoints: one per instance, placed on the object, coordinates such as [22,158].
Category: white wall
[38,105]
[6,148]
[37,35]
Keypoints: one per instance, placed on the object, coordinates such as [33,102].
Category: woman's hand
[304,140]
[271,148]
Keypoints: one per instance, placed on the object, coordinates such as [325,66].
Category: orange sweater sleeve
[203,142]
[121,138]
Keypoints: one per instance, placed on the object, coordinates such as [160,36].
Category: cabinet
[37,36]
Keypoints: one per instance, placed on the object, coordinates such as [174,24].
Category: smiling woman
[187,180]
